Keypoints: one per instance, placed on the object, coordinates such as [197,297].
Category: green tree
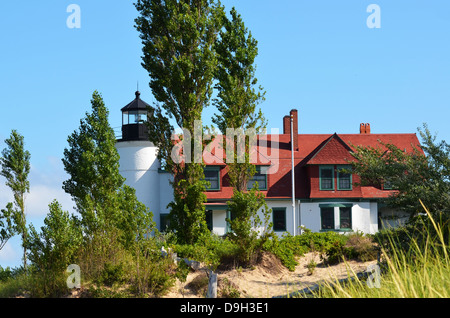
[178,53]
[6,225]
[95,184]
[237,99]
[135,220]
[422,174]
[15,167]
[55,247]
[248,230]
[237,96]
[92,163]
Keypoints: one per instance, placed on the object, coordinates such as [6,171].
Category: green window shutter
[229,216]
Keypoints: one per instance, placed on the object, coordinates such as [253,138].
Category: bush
[361,248]
[112,274]
[333,247]
[287,249]
[212,251]
[5,274]
[244,206]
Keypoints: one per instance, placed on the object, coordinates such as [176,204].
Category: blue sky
[319,57]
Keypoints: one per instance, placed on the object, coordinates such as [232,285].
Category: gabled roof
[332,151]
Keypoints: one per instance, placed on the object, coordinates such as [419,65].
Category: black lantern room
[134,117]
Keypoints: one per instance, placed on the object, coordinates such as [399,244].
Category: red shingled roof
[314,149]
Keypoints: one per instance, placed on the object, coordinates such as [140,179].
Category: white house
[323,198]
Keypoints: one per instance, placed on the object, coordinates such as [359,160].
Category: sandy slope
[270,278]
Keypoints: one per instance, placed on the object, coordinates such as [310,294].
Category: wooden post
[212,287]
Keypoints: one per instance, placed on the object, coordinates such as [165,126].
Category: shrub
[212,251]
[311,266]
[288,247]
[112,274]
[227,289]
[5,274]
[361,247]
[413,268]
[244,207]
[199,285]
[336,252]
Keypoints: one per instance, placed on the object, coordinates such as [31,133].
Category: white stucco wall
[165,190]
[219,223]
[220,226]
[364,216]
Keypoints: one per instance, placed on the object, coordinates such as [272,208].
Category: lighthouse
[139,164]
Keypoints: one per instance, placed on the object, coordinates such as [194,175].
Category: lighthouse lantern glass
[134,117]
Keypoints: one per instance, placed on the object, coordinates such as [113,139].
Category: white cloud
[45,186]
[9,254]
[40,196]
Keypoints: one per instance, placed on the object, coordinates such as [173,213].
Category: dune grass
[421,271]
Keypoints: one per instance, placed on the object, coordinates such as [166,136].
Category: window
[209,219]
[345,218]
[279,219]
[164,222]
[336,216]
[326,178]
[327,218]
[212,175]
[134,117]
[260,176]
[344,178]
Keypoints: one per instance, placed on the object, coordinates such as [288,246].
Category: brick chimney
[287,126]
[294,116]
[364,129]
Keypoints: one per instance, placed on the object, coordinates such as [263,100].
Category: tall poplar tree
[237,99]
[178,39]
[15,167]
[238,94]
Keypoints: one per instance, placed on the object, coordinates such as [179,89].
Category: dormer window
[212,175]
[326,176]
[344,178]
[259,177]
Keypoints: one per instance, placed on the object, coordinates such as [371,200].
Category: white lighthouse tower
[138,156]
